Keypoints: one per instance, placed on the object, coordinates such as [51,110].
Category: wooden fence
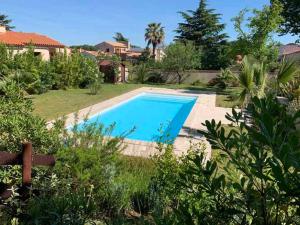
[27,159]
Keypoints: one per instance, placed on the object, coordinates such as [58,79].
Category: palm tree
[4,21]
[252,79]
[287,71]
[245,79]
[119,37]
[154,35]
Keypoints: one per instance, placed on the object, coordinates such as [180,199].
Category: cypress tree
[203,27]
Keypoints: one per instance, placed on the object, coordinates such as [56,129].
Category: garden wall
[196,75]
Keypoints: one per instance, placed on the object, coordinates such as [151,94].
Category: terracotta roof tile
[21,39]
[117,44]
[289,49]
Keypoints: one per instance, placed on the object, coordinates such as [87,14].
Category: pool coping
[188,135]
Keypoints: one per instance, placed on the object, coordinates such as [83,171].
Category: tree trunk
[153,50]
[179,77]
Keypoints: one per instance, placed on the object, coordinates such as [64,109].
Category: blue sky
[92,21]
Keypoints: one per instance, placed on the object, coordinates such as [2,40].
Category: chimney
[2,29]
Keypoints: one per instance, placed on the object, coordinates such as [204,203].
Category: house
[290,51]
[89,54]
[159,54]
[113,47]
[20,41]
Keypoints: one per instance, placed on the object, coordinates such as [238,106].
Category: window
[37,53]
[107,50]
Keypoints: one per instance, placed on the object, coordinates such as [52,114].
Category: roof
[105,63]
[93,53]
[117,44]
[22,39]
[289,49]
[140,50]
[133,54]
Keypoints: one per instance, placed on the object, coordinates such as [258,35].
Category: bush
[140,72]
[18,125]
[254,181]
[67,208]
[36,76]
[223,80]
[92,157]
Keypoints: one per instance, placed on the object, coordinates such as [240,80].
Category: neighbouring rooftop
[289,49]
[23,39]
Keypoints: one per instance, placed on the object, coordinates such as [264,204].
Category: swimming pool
[153,116]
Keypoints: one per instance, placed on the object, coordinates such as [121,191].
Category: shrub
[18,125]
[140,72]
[36,76]
[63,208]
[254,181]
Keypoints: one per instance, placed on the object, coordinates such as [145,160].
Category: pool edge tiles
[166,107]
[203,109]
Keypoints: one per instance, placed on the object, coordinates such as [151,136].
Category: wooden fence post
[26,164]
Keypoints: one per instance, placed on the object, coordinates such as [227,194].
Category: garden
[253,177]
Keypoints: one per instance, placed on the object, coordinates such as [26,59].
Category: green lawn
[57,103]
[227,98]
[61,102]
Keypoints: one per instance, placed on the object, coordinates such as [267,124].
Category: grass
[56,103]
[227,98]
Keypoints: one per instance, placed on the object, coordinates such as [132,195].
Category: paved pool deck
[204,109]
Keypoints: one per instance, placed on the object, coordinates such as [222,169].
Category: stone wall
[196,75]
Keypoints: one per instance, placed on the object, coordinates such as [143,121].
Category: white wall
[44,52]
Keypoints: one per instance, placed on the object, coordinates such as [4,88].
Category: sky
[75,22]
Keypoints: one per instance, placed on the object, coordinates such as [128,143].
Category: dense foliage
[179,58]
[36,76]
[18,125]
[90,181]
[85,47]
[254,179]
[202,26]
[257,40]
[112,71]
[291,15]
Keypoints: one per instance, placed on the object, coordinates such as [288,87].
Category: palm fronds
[287,71]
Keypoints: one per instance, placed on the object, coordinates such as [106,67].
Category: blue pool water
[153,116]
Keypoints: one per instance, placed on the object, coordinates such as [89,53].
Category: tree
[257,41]
[203,28]
[253,78]
[119,37]
[4,21]
[179,58]
[291,15]
[85,47]
[154,35]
